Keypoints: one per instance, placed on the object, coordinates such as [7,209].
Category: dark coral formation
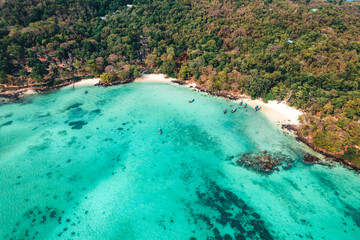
[36,216]
[265,161]
[73,106]
[77,124]
[230,211]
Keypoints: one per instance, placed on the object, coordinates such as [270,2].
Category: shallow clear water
[76,166]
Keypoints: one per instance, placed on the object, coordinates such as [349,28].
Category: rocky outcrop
[178,82]
[45,89]
[329,156]
[311,159]
[17,94]
[265,162]
[14,95]
[223,93]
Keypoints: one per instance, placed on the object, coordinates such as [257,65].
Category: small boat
[160,131]
[241,103]
[257,108]
[225,110]
[245,105]
[233,110]
[191,100]
[85,92]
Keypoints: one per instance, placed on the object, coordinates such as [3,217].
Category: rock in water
[265,162]
[311,159]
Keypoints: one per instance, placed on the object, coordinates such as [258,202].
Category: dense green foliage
[23,12]
[304,52]
[107,78]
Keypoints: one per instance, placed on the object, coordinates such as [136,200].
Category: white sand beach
[88,82]
[154,78]
[276,111]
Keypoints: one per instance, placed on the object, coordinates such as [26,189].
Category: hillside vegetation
[304,52]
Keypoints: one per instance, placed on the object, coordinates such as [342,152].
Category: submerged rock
[6,124]
[77,124]
[311,159]
[265,162]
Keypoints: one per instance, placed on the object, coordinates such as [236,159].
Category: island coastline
[281,114]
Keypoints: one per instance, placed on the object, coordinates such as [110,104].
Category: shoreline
[277,112]
[155,78]
[284,116]
[331,157]
[13,95]
[88,82]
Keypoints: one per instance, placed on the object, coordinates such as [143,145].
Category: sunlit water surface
[93,166]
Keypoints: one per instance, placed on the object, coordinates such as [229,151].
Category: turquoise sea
[93,166]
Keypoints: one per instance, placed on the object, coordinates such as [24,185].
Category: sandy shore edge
[278,112]
[87,82]
[154,78]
